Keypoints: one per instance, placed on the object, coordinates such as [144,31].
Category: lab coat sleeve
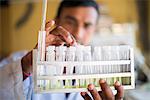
[11,84]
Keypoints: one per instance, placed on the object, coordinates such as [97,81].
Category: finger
[53,40]
[58,43]
[94,92]
[119,88]
[106,90]
[101,94]
[65,35]
[49,25]
[55,43]
[85,96]
[74,41]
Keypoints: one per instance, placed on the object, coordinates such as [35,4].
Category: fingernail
[91,87]
[117,83]
[83,93]
[70,39]
[102,81]
[53,22]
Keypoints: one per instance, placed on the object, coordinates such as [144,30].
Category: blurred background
[121,22]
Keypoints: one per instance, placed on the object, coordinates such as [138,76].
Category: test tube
[115,56]
[106,56]
[124,55]
[60,56]
[41,57]
[97,57]
[70,56]
[50,70]
[42,73]
[79,57]
[87,57]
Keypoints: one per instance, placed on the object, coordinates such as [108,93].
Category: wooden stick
[42,36]
[44,8]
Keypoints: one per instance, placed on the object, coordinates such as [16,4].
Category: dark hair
[77,3]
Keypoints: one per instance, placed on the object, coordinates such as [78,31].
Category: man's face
[80,22]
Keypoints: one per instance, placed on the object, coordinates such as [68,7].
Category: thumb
[49,25]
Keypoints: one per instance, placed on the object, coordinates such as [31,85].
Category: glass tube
[97,68]
[60,56]
[87,57]
[70,56]
[50,70]
[79,68]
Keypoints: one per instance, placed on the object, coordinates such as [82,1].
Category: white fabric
[11,84]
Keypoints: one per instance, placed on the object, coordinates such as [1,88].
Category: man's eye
[87,26]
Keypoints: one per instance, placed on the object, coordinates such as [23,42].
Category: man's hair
[77,3]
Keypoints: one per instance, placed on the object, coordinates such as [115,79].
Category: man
[76,21]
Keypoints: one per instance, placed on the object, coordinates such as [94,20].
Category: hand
[105,94]
[56,36]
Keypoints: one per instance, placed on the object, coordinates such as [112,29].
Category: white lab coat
[11,84]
